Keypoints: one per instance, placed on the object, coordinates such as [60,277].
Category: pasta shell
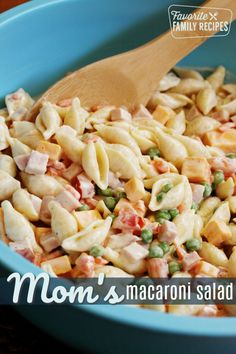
[172,100]
[185,226]
[17,226]
[200,125]
[101,116]
[48,120]
[143,138]
[117,135]
[4,134]
[216,79]
[96,164]
[23,203]
[206,100]
[93,234]
[185,73]
[8,185]
[168,81]
[18,148]
[171,149]
[177,123]
[194,147]
[76,116]
[63,224]
[174,197]
[123,161]
[41,185]
[27,133]
[70,144]
[189,86]
[8,165]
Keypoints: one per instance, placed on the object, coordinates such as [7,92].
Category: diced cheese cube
[217,232]
[163,113]
[134,189]
[60,265]
[41,231]
[196,169]
[225,141]
[86,217]
[50,149]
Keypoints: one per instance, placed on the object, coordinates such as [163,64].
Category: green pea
[218,178]
[83,207]
[162,214]
[174,267]
[167,187]
[108,192]
[120,194]
[193,244]
[160,196]
[194,206]
[165,247]
[146,235]
[207,191]
[155,251]
[96,251]
[110,203]
[173,213]
[152,152]
[231,156]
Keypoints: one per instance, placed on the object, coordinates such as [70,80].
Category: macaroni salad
[148,192]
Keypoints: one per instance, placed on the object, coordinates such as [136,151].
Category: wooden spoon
[130,78]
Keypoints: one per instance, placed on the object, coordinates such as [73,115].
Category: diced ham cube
[71,172]
[84,186]
[21,161]
[55,168]
[157,268]
[85,263]
[49,242]
[168,232]
[23,248]
[73,191]
[161,165]
[134,252]
[67,200]
[225,164]
[222,116]
[45,214]
[190,260]
[121,240]
[197,190]
[114,181]
[142,112]
[37,163]
[37,202]
[128,221]
[121,114]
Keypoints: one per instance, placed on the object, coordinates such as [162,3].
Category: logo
[188,21]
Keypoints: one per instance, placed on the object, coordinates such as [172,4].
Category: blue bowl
[40,42]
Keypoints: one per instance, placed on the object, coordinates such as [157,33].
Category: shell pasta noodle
[149,192]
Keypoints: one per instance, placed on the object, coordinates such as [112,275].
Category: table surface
[16,334]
